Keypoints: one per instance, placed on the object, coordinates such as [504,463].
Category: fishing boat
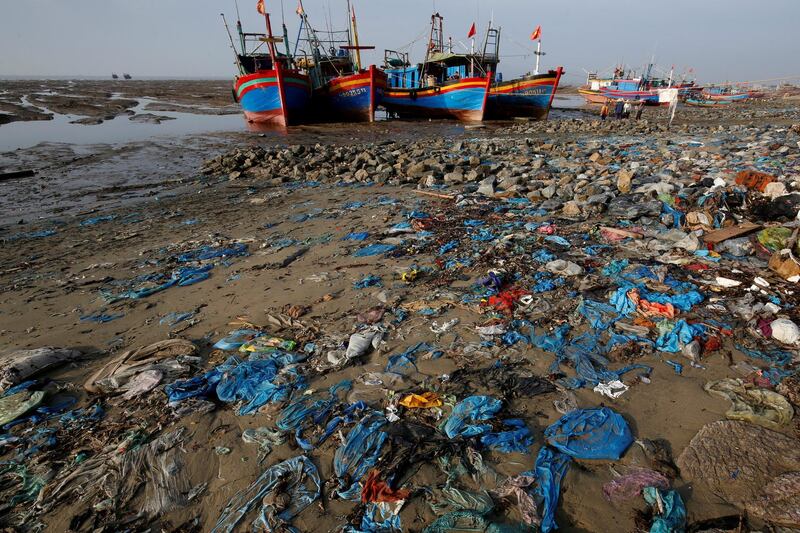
[342,89]
[127,76]
[725,94]
[627,86]
[708,103]
[269,88]
[445,85]
[114,76]
[529,96]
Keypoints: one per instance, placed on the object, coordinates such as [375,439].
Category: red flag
[472,31]
[537,33]
[260,7]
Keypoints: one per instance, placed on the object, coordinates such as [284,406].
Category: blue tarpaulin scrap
[516,438]
[260,382]
[374,249]
[680,334]
[471,521]
[597,433]
[471,409]
[377,518]
[297,477]
[359,452]
[673,519]
[181,277]
[271,378]
[212,252]
[360,236]
[309,411]
[369,280]
[551,467]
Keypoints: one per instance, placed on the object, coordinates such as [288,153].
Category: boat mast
[435,42]
[539,55]
[355,44]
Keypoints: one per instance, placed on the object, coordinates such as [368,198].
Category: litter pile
[514,310]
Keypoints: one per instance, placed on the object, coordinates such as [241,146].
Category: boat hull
[274,97]
[529,97]
[648,97]
[352,98]
[463,100]
[592,97]
[708,103]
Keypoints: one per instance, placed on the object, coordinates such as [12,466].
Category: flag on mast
[472,31]
[260,7]
[537,33]
[299,9]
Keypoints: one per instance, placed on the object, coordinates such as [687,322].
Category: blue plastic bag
[597,433]
[471,409]
[550,469]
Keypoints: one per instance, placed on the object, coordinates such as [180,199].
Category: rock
[454,177]
[234,175]
[571,209]
[549,191]
[487,186]
[361,175]
[624,178]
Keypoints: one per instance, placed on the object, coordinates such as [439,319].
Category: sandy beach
[98,222]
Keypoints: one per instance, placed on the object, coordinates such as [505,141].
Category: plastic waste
[15,405]
[669,510]
[758,406]
[597,433]
[631,484]
[426,400]
[296,477]
[785,331]
[471,409]
[18,365]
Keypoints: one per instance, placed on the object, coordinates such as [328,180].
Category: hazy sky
[732,40]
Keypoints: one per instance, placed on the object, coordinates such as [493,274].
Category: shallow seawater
[17,135]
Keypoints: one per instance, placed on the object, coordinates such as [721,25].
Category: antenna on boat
[233,47]
[236,5]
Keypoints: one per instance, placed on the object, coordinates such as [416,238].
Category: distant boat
[114,76]
[626,86]
[708,103]
[444,85]
[269,88]
[127,76]
[725,94]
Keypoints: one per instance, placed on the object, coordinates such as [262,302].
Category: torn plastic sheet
[358,454]
[582,353]
[519,487]
[674,336]
[631,484]
[597,433]
[297,477]
[449,498]
[405,363]
[204,253]
[118,473]
[669,514]
[472,521]
[515,439]
[260,382]
[312,411]
[549,470]
[374,249]
[471,409]
[379,517]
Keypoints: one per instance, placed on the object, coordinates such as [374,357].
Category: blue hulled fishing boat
[444,85]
